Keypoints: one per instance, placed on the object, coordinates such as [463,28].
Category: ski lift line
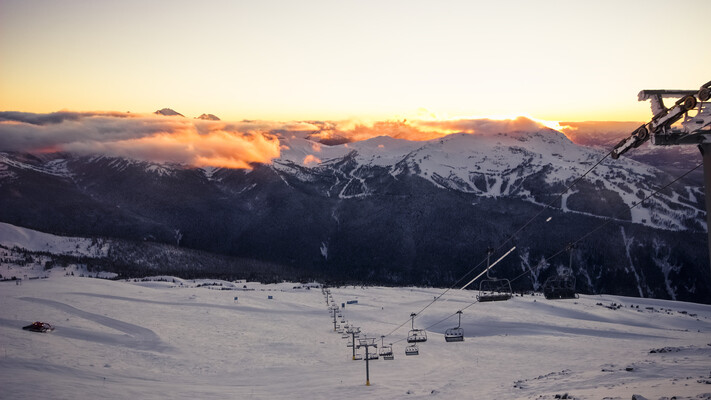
[565,248]
[487,269]
[656,192]
[554,200]
[441,321]
[510,238]
[448,289]
[613,218]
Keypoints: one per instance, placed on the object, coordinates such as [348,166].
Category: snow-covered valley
[173,338]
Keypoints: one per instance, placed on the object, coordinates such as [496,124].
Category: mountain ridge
[390,211]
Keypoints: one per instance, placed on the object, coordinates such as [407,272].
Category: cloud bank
[598,133]
[216,143]
[142,137]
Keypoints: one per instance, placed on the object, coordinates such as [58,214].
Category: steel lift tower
[693,112]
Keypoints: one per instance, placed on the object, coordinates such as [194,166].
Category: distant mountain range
[169,112]
[390,211]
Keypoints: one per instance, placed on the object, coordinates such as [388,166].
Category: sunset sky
[345,60]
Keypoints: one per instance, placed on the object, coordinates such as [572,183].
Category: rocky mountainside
[391,211]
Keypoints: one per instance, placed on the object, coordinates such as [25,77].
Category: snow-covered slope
[500,165]
[178,339]
[532,166]
[14,236]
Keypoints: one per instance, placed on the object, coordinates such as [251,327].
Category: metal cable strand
[507,240]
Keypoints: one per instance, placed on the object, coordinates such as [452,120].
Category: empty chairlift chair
[416,335]
[412,350]
[561,286]
[492,288]
[353,331]
[455,334]
[386,352]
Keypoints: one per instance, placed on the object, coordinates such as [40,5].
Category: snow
[487,165]
[173,338]
[31,240]
[324,250]
[54,167]
[503,160]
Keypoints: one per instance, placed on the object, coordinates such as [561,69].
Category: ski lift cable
[554,255]
[442,320]
[567,188]
[452,287]
[564,191]
[451,315]
[488,268]
[613,218]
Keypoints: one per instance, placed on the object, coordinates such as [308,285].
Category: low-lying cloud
[333,133]
[598,133]
[197,142]
[142,137]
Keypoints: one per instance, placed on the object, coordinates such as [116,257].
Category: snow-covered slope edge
[12,236]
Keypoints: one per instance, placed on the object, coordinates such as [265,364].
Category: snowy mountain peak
[168,112]
[208,117]
[526,165]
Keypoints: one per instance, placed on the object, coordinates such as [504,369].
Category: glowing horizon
[237,144]
[370,60]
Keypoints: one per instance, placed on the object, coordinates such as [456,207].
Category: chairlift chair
[353,330]
[492,288]
[386,352]
[372,356]
[560,287]
[412,350]
[358,356]
[416,335]
[455,334]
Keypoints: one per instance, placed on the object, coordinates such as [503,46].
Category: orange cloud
[421,130]
[482,125]
[603,133]
[239,144]
[311,159]
[142,137]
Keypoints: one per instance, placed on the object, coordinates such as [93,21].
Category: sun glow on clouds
[311,159]
[428,127]
[204,143]
[142,137]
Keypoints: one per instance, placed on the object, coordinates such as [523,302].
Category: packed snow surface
[181,339]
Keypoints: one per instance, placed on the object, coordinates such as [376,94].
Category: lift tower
[693,111]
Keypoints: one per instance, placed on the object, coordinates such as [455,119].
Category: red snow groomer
[38,327]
